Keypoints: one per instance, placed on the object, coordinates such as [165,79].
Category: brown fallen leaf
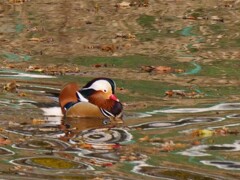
[17,1]
[171,146]
[225,131]
[167,146]
[182,93]
[156,140]
[108,47]
[22,94]
[138,3]
[35,39]
[131,156]
[234,132]
[190,17]
[107,164]
[169,93]
[125,36]
[11,87]
[86,146]
[216,18]
[34,69]
[144,139]
[147,68]
[196,143]
[122,90]
[161,69]
[4,141]
[123,4]
[38,121]
[100,65]
[11,66]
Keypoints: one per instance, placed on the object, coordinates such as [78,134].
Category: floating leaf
[123,4]
[161,69]
[182,93]
[143,139]
[11,87]
[38,121]
[4,141]
[35,39]
[203,133]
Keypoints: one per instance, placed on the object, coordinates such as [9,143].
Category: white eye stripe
[100,85]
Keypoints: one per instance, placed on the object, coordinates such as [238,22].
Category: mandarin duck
[96,99]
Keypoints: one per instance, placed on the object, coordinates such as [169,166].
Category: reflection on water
[52,145]
[99,144]
[38,142]
[181,122]
[93,143]
[233,116]
[229,165]
[5,152]
[203,149]
[38,130]
[103,138]
[50,163]
[15,74]
[218,107]
[169,173]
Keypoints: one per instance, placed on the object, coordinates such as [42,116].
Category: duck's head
[101,92]
[104,88]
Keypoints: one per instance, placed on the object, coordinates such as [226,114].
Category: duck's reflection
[80,124]
[73,126]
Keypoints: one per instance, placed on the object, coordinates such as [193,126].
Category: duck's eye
[105,90]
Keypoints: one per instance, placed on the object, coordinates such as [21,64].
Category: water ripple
[181,122]
[228,165]
[5,152]
[40,130]
[101,138]
[168,173]
[218,107]
[49,162]
[53,145]
[201,149]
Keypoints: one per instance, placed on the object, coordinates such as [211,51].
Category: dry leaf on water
[161,69]
[196,143]
[171,146]
[133,156]
[203,133]
[125,36]
[144,139]
[208,133]
[38,121]
[123,4]
[4,141]
[11,87]
[100,65]
[17,1]
[108,47]
[182,93]
[35,39]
